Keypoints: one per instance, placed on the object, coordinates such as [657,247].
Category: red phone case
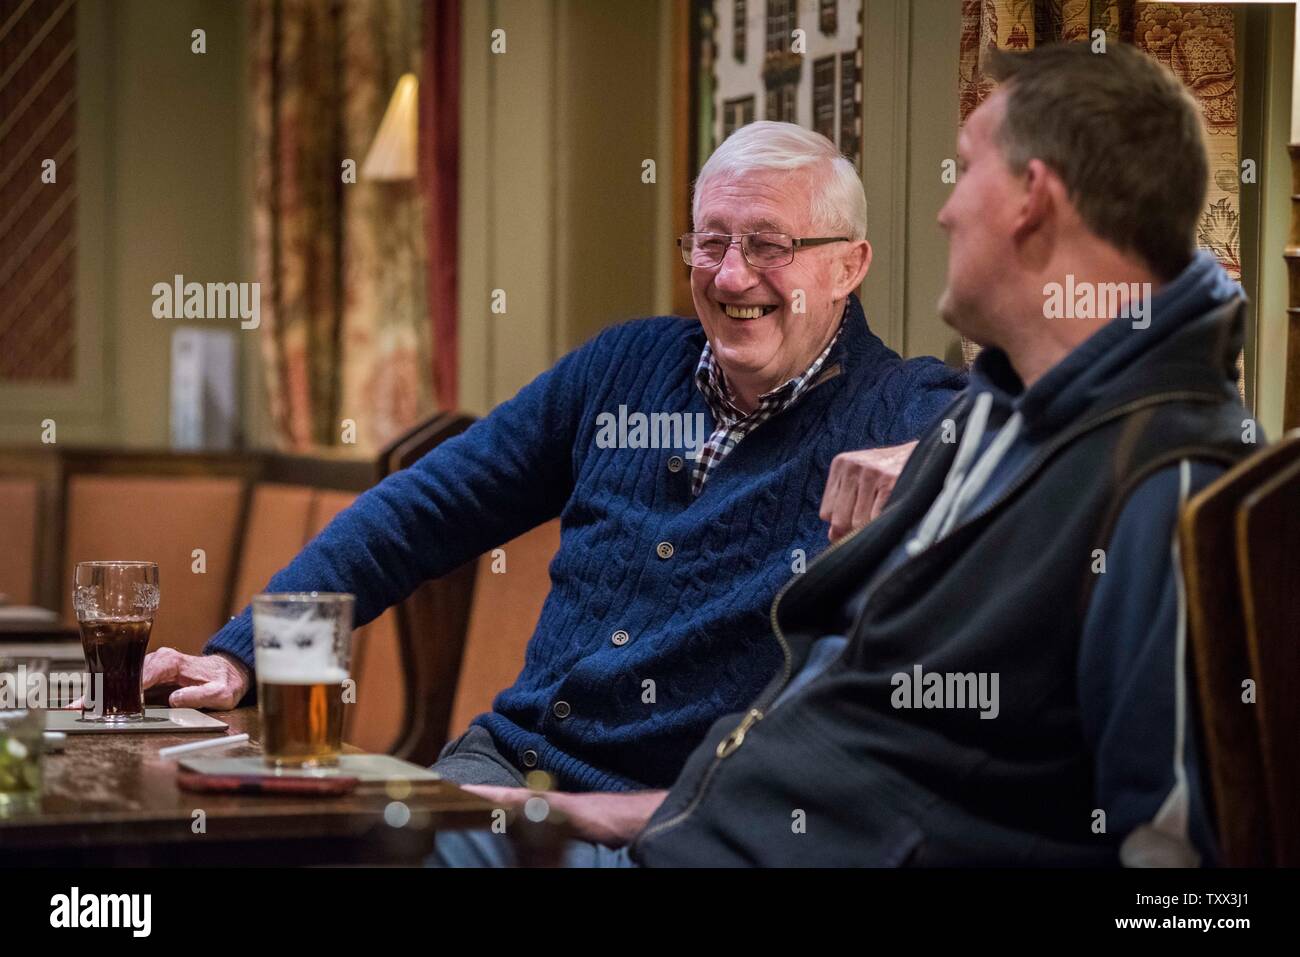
[264,784]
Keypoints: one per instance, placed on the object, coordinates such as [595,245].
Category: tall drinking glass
[302,646]
[115,604]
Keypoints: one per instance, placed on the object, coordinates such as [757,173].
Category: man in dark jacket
[994,672]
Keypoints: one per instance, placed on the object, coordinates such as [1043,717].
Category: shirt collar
[712,382]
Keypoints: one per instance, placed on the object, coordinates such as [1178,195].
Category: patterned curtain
[1196,42]
[440,184]
[344,325]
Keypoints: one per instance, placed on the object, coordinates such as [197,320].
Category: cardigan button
[675,463]
[620,637]
[529,758]
[561,709]
[664,550]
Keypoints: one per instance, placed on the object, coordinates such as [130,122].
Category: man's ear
[852,268]
[1037,201]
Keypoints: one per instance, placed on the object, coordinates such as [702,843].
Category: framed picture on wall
[794,60]
[799,61]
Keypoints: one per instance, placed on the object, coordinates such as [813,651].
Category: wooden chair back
[1218,577]
[1268,556]
[432,622]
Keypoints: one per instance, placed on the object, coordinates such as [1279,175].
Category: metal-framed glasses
[763,250]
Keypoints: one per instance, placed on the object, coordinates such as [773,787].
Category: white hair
[839,205]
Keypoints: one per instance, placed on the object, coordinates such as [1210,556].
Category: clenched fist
[859,485]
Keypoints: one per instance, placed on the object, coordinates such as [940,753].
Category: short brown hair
[1123,134]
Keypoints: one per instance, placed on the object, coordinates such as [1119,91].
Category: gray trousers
[473,758]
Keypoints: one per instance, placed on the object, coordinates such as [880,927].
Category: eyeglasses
[761,250]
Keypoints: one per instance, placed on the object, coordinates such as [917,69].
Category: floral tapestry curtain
[440,184]
[1196,42]
[344,332]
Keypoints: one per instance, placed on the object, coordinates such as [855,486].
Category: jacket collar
[1189,343]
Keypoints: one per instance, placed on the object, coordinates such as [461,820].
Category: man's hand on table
[612,819]
[859,485]
[213,681]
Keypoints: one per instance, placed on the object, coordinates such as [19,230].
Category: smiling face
[749,314]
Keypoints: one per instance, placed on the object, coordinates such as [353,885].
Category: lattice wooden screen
[38,89]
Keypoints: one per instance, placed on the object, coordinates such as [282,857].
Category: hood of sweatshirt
[1191,341]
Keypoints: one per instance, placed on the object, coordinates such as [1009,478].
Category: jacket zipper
[733,741]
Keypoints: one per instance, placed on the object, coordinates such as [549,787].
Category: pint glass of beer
[302,646]
[115,604]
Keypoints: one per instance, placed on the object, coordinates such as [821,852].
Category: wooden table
[27,629]
[109,799]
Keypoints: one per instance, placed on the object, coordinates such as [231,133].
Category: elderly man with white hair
[673,544]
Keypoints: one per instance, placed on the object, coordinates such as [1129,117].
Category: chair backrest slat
[432,622]
[1268,552]
[1221,659]
[19,498]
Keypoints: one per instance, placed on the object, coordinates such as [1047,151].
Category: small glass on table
[115,604]
[302,648]
[23,701]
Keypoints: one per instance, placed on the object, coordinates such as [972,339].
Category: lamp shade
[392,154]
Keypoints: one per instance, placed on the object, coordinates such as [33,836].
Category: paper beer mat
[171,720]
[364,767]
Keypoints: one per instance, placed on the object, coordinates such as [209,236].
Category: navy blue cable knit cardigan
[696,622]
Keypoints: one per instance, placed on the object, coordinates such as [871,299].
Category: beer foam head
[296,651]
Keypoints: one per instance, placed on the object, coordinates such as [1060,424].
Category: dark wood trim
[344,472]
[1291,402]
[103,461]
[1252,42]
[406,449]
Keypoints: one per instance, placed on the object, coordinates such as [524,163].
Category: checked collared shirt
[730,424]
